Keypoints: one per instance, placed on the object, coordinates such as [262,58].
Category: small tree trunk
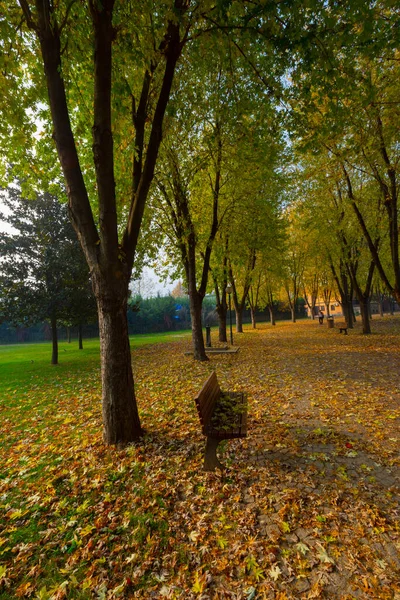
[221,324]
[120,415]
[253,318]
[380,304]
[80,336]
[197,329]
[313,309]
[293,312]
[347,310]
[271,315]
[54,339]
[239,320]
[348,314]
[364,309]
[68,335]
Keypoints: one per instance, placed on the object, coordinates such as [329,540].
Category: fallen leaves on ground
[309,507]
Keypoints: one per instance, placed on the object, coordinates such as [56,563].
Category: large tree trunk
[54,340]
[120,414]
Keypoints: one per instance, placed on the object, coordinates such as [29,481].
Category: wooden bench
[223,416]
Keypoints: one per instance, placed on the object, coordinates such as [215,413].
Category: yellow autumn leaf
[86,530]
[199,583]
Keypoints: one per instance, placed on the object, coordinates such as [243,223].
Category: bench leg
[210,456]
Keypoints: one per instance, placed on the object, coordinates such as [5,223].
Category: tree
[128,76]
[43,273]
[293,263]
[175,197]
[202,162]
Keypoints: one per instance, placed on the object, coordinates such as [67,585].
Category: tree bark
[271,315]
[239,319]
[120,415]
[345,291]
[240,305]
[199,350]
[347,308]
[327,301]
[364,309]
[54,340]
[380,303]
[222,315]
[292,301]
[220,304]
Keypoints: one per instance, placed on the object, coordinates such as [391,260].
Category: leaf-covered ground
[309,507]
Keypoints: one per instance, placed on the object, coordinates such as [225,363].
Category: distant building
[335,308]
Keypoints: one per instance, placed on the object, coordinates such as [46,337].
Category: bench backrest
[206,399]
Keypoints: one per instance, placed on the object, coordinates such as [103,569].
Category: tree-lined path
[309,508]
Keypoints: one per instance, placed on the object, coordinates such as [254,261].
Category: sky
[148,286]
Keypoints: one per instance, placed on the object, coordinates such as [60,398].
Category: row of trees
[348,145]
[109,80]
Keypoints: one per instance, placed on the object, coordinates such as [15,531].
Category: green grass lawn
[23,366]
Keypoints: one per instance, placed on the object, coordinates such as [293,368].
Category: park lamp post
[229,292]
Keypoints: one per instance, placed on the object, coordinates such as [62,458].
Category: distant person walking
[321,317]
